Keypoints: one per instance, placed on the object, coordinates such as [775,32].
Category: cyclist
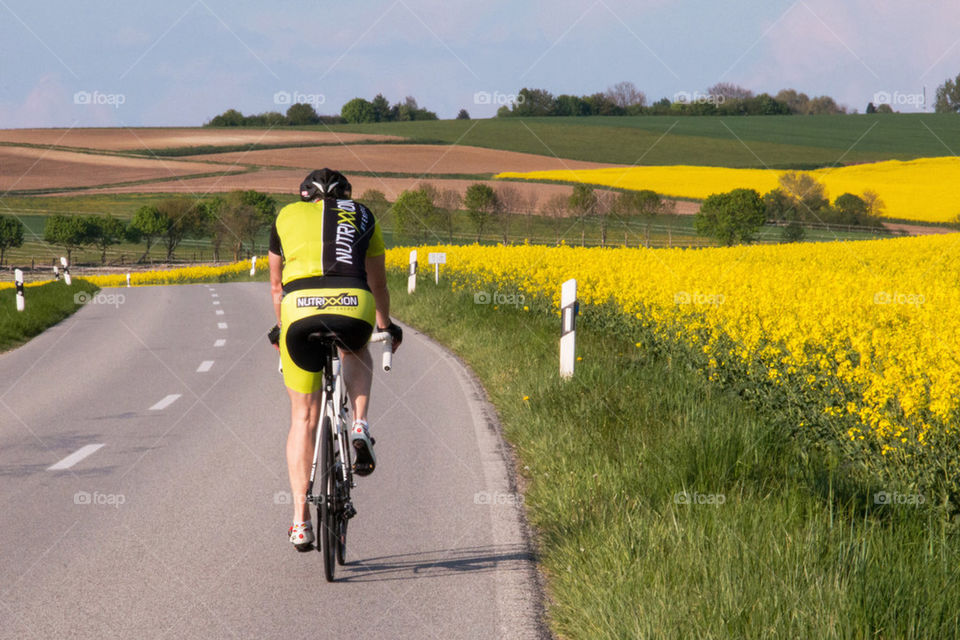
[327,273]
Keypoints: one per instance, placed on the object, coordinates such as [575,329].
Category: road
[144,487]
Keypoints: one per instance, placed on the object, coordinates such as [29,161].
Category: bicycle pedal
[349,511]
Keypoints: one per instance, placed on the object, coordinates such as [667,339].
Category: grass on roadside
[665,507]
[45,305]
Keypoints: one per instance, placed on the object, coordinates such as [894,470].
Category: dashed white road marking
[220,342]
[205,366]
[219,312]
[221,325]
[75,457]
[214,295]
[166,402]
[216,302]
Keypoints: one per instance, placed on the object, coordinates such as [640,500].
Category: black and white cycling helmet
[324,183]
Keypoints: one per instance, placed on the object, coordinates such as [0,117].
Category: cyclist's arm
[276,274]
[377,280]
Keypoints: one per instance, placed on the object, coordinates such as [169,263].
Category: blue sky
[182,61]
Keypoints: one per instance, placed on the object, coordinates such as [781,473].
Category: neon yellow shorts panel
[347,312]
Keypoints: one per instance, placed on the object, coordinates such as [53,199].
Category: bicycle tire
[342,524]
[327,541]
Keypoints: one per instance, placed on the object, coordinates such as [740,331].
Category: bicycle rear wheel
[342,523]
[328,529]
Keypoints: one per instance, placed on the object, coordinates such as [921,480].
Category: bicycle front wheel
[329,526]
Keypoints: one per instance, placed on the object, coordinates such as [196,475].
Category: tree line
[426,213]
[231,222]
[736,216]
[723,99]
[302,114]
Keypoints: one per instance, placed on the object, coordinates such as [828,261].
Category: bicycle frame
[333,405]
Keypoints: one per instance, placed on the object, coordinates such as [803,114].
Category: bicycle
[332,454]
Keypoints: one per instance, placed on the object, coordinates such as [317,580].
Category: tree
[948,96]
[566,105]
[213,224]
[481,203]
[825,105]
[149,225]
[645,204]
[182,217]
[884,108]
[447,201]
[11,235]
[533,102]
[875,206]
[511,202]
[870,108]
[229,118]
[731,217]
[381,108]
[729,91]
[376,201]
[799,103]
[809,196]
[358,110]
[105,231]
[626,94]
[556,209]
[69,232]
[300,114]
[411,212]
[582,204]
[463,115]
[852,209]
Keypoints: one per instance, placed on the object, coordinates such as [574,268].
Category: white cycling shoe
[366,460]
[302,535]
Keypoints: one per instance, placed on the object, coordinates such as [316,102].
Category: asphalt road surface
[144,491]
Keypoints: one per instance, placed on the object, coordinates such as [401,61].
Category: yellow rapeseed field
[864,334]
[180,275]
[926,189]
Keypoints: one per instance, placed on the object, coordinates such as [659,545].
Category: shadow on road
[434,564]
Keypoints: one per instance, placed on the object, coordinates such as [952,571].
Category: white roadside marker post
[568,329]
[56,272]
[66,270]
[253,266]
[128,281]
[412,278]
[18,277]
[437,259]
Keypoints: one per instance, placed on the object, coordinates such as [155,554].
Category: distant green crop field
[781,142]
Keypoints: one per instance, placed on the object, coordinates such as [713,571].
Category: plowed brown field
[136,139]
[405,158]
[30,168]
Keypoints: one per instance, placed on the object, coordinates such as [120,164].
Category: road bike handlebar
[387,340]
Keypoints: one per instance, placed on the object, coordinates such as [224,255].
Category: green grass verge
[46,305]
[665,507]
[782,142]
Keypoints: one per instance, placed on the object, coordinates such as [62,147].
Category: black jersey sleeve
[275,240]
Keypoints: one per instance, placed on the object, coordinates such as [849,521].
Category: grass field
[45,305]
[667,508]
[785,142]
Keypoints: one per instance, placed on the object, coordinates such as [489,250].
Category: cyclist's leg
[304,415]
[358,376]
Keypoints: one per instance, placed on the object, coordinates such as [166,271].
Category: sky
[180,62]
